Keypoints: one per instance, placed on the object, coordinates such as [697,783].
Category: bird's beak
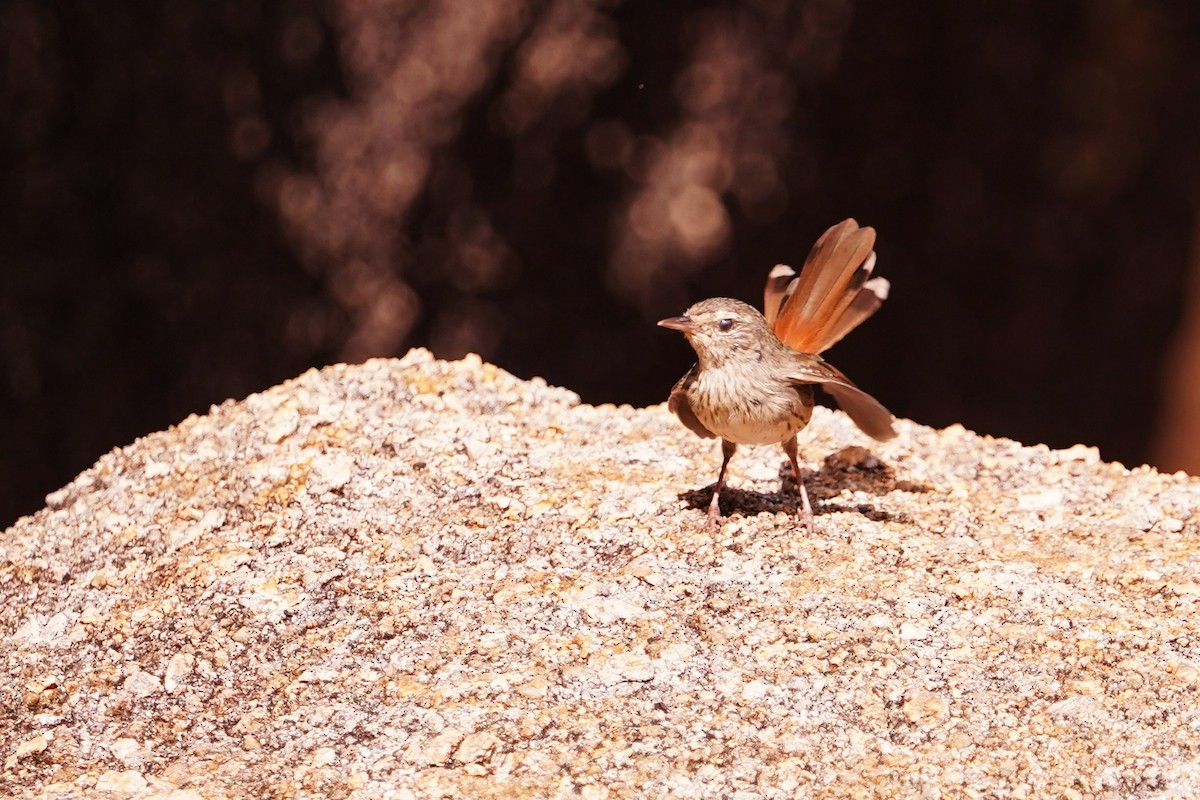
[684,324]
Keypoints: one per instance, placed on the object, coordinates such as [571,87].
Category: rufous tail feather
[833,294]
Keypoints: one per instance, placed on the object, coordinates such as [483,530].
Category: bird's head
[722,328]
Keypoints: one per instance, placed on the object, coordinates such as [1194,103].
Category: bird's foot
[806,512]
[714,512]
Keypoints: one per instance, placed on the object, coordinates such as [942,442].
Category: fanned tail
[781,281]
[833,294]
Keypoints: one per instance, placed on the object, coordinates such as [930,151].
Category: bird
[755,373]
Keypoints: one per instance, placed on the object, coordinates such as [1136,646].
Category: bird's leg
[714,510]
[789,447]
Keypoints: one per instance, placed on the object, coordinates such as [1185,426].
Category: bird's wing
[681,407]
[867,412]
[831,295]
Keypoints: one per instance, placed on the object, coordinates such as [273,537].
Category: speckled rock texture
[420,579]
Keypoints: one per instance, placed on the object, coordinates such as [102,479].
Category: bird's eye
[725,324]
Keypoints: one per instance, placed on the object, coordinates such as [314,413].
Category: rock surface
[424,579]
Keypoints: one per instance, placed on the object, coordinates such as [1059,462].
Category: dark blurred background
[201,199]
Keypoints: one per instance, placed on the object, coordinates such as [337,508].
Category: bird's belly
[758,431]
[751,418]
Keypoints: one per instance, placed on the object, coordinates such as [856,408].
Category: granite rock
[412,578]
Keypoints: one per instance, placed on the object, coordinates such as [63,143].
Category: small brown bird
[754,377]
